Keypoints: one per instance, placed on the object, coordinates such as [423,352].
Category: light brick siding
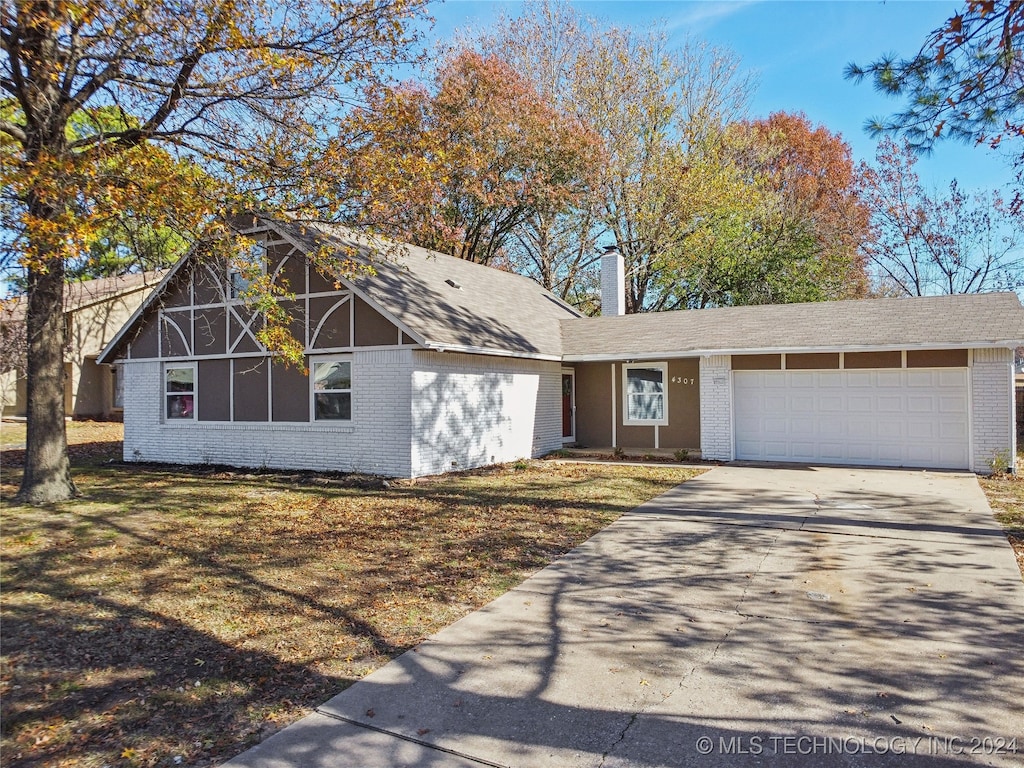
[375,441]
[715,408]
[992,407]
[472,410]
[469,411]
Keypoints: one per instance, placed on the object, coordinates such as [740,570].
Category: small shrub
[521,465]
[1000,462]
[682,454]
[618,453]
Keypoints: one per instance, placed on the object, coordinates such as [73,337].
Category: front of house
[434,363]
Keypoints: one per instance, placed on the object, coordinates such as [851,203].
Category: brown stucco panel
[208,282]
[372,329]
[146,344]
[213,386]
[318,283]
[289,393]
[683,430]
[293,274]
[812,361]
[178,293]
[756,362]
[244,342]
[296,311]
[250,389]
[593,405]
[335,329]
[176,334]
[888,359]
[936,358]
[210,331]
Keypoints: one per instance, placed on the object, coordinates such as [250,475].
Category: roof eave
[104,356]
[492,352]
[704,352]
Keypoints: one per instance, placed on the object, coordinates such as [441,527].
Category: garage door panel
[952,404]
[892,379]
[887,417]
[952,379]
[860,429]
[830,380]
[888,430]
[856,379]
[886,403]
[922,403]
[953,430]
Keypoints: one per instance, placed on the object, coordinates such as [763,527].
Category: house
[94,311]
[434,363]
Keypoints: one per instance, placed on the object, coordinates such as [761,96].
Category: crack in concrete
[622,736]
[403,737]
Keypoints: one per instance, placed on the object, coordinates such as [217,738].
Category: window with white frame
[332,390]
[242,274]
[644,387]
[180,392]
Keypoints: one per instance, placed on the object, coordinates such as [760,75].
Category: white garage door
[908,418]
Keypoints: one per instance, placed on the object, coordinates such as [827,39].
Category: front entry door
[568,407]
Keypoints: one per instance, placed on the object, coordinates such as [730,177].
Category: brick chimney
[613,282]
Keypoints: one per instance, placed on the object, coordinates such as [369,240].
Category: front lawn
[1006,497]
[173,616]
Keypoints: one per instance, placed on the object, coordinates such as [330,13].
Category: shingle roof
[992,319]
[449,303]
[88,292]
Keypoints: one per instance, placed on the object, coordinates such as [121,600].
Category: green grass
[170,612]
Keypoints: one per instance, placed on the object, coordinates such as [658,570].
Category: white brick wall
[715,408]
[613,283]
[471,410]
[375,441]
[992,407]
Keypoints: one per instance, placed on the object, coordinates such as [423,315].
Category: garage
[881,417]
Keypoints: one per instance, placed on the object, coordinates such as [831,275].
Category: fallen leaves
[270,592]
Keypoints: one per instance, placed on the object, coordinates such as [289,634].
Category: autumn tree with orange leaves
[819,216]
[221,108]
[460,166]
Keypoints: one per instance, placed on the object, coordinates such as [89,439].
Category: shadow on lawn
[108,674]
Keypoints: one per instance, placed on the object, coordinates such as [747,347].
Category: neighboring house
[94,311]
[435,363]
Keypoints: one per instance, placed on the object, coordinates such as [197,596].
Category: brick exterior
[992,407]
[375,441]
[474,410]
[715,408]
[613,283]
[413,413]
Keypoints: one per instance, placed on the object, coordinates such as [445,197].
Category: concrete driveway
[754,616]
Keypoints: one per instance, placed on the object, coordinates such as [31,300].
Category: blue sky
[798,51]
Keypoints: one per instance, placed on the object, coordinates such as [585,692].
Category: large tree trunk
[47,475]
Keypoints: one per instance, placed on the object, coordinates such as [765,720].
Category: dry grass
[178,613]
[1006,497]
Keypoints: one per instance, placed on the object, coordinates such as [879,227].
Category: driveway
[753,616]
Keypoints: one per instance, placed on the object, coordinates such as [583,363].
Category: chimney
[613,282]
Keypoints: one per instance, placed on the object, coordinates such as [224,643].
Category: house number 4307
[681,380]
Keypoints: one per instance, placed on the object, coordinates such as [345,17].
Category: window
[332,390]
[180,391]
[241,276]
[643,390]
